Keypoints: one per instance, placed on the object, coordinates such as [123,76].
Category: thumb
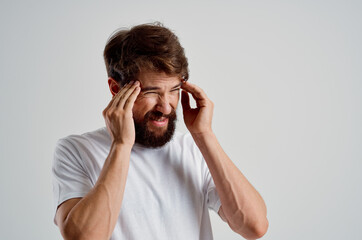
[185,101]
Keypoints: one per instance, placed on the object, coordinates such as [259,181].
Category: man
[135,178]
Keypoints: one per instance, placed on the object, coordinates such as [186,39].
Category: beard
[148,138]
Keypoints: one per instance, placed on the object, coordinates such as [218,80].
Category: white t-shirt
[168,189]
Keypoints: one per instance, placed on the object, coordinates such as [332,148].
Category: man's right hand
[118,114]
[94,216]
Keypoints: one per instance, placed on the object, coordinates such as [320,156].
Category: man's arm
[242,206]
[94,216]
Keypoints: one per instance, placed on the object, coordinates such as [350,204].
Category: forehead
[158,79]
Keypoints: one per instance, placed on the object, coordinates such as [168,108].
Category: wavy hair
[146,47]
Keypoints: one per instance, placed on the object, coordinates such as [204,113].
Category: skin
[94,216]
[159,92]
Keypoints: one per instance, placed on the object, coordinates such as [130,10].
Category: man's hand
[241,205]
[95,215]
[118,114]
[198,120]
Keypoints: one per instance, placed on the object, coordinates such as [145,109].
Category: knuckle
[116,114]
[109,114]
[128,101]
[209,103]
[121,113]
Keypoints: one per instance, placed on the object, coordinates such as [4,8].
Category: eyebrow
[157,88]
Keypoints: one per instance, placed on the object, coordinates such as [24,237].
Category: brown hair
[150,47]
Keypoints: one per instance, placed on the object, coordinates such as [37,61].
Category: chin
[158,131]
[153,134]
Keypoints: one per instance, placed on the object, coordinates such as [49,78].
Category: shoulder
[181,136]
[76,146]
[186,143]
[84,140]
[184,139]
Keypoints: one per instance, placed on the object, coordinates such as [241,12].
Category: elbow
[251,229]
[253,232]
[70,231]
[260,229]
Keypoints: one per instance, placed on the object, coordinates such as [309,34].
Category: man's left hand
[198,120]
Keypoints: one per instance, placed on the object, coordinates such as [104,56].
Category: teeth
[159,120]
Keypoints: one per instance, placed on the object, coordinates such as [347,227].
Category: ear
[113,86]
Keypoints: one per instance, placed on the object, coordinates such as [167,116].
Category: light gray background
[285,77]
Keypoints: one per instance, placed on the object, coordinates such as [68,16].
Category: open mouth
[159,122]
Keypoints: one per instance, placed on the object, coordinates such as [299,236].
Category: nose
[163,105]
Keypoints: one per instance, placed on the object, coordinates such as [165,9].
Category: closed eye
[175,90]
[150,93]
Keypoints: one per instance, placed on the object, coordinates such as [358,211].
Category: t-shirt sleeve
[70,179]
[213,199]
[208,185]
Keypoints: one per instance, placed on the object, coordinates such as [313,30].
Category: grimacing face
[154,110]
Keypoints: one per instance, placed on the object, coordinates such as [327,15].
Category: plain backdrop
[285,77]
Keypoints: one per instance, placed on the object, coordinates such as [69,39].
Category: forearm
[242,205]
[95,215]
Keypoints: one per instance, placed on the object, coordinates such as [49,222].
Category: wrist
[122,145]
[202,136]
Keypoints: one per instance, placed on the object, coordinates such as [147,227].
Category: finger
[185,101]
[119,95]
[196,91]
[109,105]
[128,106]
[114,98]
[126,95]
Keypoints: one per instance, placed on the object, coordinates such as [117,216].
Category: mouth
[159,122]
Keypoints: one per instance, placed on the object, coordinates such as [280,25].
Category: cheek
[174,100]
[142,106]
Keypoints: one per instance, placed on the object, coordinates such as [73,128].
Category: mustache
[158,114]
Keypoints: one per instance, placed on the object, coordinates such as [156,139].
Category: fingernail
[131,82]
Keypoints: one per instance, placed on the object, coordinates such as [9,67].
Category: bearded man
[136,178]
